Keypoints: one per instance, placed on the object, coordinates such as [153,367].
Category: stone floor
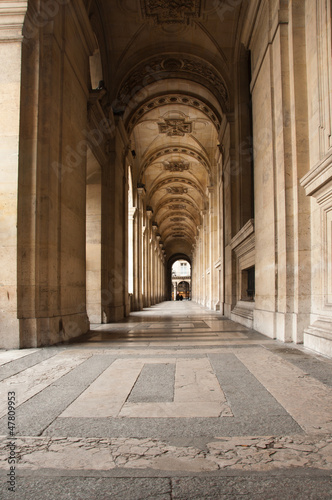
[176,402]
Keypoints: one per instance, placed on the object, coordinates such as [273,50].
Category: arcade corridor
[176,402]
[135,134]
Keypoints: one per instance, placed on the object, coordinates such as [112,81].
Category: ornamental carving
[177,207]
[178,235]
[171,11]
[176,166]
[178,219]
[179,150]
[166,67]
[176,127]
[182,99]
[177,190]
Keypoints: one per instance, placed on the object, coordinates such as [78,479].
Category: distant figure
[181,298]
[177,296]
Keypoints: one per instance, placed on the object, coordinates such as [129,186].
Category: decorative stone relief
[173,67]
[177,190]
[176,166]
[171,11]
[179,150]
[175,127]
[186,100]
[178,215]
[175,201]
[177,207]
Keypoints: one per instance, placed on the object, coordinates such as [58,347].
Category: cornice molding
[12,15]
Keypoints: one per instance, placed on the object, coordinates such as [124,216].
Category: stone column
[52,178]
[149,264]
[131,256]
[93,252]
[140,250]
[145,262]
[11,22]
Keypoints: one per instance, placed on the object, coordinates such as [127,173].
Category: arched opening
[181,280]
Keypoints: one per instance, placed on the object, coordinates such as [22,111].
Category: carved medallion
[176,166]
[176,127]
[177,190]
[171,11]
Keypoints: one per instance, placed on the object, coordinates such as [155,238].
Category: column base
[39,332]
[318,336]
[264,322]
[243,313]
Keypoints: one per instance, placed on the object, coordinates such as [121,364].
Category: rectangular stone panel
[155,384]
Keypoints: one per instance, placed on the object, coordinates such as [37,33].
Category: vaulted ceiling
[169,69]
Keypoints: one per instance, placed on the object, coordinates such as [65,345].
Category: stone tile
[172,410]
[106,395]
[79,488]
[306,399]
[8,356]
[155,383]
[51,402]
[25,361]
[36,378]
[196,381]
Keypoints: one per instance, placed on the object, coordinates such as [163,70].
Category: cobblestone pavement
[176,402]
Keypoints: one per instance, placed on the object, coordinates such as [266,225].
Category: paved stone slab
[242,453]
[316,366]
[155,383]
[36,414]
[106,395]
[252,487]
[26,361]
[249,400]
[36,378]
[305,398]
[259,452]
[8,356]
[71,488]
[172,428]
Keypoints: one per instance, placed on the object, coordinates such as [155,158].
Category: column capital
[12,15]
[149,212]
[132,212]
[141,191]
